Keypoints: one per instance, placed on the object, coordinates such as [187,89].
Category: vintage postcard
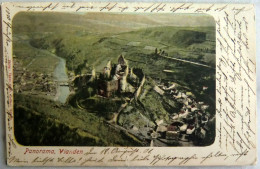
[129,84]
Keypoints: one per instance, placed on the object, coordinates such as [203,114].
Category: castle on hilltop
[114,79]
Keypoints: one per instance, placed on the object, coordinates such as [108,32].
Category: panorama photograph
[114,79]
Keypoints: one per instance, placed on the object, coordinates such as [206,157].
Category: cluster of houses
[27,81]
[190,123]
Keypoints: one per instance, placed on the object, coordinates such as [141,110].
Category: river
[60,75]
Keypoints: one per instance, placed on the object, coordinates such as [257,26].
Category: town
[32,82]
[185,126]
[118,81]
[114,80]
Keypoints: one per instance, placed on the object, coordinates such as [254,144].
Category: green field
[86,41]
[91,40]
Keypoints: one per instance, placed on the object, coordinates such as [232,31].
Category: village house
[188,123]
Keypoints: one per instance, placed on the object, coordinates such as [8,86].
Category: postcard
[129,84]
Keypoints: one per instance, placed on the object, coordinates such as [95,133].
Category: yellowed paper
[129,84]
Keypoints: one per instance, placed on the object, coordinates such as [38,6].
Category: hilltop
[95,38]
[84,42]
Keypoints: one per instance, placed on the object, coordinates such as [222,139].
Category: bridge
[62,83]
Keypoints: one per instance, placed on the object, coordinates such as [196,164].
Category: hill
[91,40]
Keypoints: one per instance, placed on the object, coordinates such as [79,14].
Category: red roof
[172,128]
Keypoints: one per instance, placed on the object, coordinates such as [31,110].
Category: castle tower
[123,84]
[126,71]
[93,75]
[107,69]
[121,60]
[109,64]
[131,72]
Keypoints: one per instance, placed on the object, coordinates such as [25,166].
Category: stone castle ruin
[118,78]
[114,79]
